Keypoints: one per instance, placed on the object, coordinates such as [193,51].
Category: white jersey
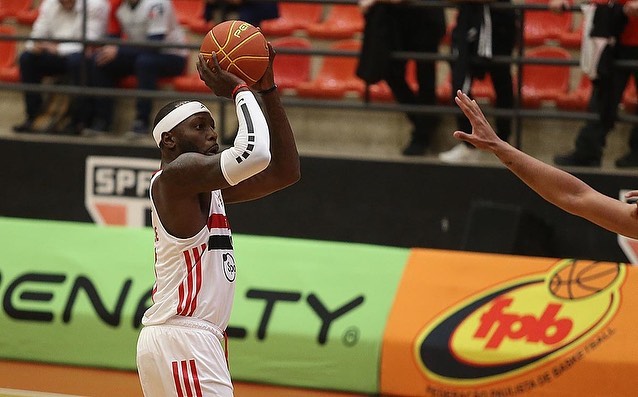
[56,22]
[195,276]
[149,18]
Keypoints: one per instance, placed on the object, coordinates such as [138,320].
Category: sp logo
[230,271]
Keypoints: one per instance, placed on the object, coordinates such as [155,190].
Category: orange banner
[474,325]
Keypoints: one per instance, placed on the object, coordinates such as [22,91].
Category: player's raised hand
[220,81]
[483,135]
[267,81]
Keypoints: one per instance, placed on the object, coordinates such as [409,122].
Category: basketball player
[554,185]
[181,346]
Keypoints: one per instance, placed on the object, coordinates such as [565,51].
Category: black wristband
[268,90]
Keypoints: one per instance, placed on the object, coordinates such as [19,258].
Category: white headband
[176,116]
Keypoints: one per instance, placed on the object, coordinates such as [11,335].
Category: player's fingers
[460,135]
[633,193]
[463,102]
[271,52]
[215,63]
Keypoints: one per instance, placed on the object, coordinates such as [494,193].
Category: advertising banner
[315,312]
[467,324]
[307,313]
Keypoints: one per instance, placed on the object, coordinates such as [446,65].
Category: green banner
[314,311]
[71,291]
[307,313]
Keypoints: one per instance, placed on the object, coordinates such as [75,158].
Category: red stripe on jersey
[180,304]
[189,286]
[218,221]
[198,388]
[187,383]
[178,385]
[198,273]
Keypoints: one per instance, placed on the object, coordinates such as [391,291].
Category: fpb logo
[116,190]
[521,324]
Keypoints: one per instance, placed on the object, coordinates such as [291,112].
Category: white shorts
[183,357]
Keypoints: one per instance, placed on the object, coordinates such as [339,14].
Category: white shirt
[56,22]
[195,276]
[149,18]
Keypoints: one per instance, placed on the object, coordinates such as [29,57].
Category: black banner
[386,203]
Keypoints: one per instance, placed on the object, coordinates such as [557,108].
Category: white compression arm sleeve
[250,153]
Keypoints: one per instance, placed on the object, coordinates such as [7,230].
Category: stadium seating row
[337,21]
[335,78]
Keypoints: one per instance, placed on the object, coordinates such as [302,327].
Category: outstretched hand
[268,79]
[483,135]
[220,81]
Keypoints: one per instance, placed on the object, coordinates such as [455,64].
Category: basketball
[580,279]
[241,49]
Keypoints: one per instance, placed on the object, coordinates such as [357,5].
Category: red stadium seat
[9,71]
[186,10]
[336,76]
[342,22]
[11,8]
[578,98]
[540,26]
[291,69]
[130,82]
[292,17]
[190,83]
[572,38]
[544,82]
[629,98]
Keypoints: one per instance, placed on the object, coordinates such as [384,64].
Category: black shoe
[577,160]
[629,160]
[415,149]
[26,126]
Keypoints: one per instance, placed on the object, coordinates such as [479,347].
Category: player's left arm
[283,169]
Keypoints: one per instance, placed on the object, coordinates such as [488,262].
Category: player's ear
[168,140]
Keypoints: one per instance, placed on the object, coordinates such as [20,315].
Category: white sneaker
[461,153]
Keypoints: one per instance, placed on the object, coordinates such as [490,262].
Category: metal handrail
[517,113]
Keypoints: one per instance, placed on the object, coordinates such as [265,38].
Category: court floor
[44,380]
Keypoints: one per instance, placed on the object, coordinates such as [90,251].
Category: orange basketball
[241,49]
[580,279]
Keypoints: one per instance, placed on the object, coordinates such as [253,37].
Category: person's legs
[107,76]
[33,68]
[503,87]
[403,94]
[149,68]
[631,159]
[605,98]
[81,107]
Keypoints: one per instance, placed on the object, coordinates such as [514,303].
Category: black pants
[148,67]
[35,66]
[592,136]
[501,75]
[422,33]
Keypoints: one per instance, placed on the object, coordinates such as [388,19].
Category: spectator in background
[252,12]
[140,20]
[607,93]
[481,32]
[396,27]
[60,20]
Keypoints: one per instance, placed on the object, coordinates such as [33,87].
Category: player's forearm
[284,156]
[554,185]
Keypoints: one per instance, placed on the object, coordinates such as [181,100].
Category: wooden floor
[43,380]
